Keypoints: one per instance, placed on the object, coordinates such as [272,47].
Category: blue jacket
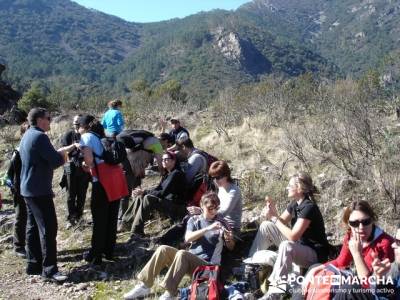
[39,159]
[113,121]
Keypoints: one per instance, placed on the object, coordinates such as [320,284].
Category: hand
[270,208]
[380,267]
[355,245]
[194,210]
[137,192]
[77,145]
[228,236]
[214,226]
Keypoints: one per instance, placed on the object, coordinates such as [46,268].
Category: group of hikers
[204,204]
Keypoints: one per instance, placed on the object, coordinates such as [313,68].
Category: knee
[162,249]
[180,255]
[266,226]
[286,247]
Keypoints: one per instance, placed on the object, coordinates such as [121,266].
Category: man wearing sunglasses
[38,160]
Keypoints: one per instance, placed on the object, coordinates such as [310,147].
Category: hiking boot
[57,277]
[20,253]
[139,291]
[167,296]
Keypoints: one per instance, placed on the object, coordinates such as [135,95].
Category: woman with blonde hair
[299,232]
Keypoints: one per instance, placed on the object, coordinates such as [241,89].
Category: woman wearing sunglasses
[364,241]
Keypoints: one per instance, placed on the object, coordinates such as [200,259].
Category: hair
[36,113]
[174,121]
[188,143]
[171,155]
[305,182]
[360,205]
[114,103]
[210,197]
[220,168]
[24,127]
[166,137]
[77,117]
[90,123]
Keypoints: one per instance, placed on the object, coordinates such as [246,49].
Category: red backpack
[206,284]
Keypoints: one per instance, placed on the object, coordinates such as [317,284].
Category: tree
[34,97]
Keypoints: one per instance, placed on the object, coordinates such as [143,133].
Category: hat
[262,257]
[85,120]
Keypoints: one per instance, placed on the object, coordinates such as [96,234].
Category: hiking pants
[105,219]
[41,234]
[77,185]
[179,262]
[141,208]
[19,222]
[288,253]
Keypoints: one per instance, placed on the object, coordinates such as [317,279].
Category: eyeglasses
[357,223]
[166,158]
[76,124]
[218,177]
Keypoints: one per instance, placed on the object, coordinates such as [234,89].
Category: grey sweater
[39,159]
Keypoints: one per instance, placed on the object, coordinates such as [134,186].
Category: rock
[7,239]
[82,286]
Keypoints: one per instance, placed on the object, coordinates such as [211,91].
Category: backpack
[127,137]
[114,151]
[209,158]
[206,284]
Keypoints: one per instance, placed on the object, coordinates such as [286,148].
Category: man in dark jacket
[75,179]
[39,159]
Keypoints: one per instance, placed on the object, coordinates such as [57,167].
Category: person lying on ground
[206,235]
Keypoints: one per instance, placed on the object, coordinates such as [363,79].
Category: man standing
[75,179]
[39,159]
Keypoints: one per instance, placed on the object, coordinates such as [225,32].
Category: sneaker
[140,290]
[57,277]
[20,253]
[167,296]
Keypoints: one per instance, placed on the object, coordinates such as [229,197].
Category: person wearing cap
[177,133]
[113,121]
[75,179]
[38,160]
[167,197]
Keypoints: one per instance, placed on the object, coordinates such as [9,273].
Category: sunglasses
[357,223]
[218,177]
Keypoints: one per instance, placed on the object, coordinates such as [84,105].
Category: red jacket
[380,245]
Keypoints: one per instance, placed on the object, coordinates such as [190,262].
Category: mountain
[67,45]
[353,34]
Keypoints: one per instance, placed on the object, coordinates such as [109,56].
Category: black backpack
[114,151]
[127,137]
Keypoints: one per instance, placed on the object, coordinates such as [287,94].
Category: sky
[143,11]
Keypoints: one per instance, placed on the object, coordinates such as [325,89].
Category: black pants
[19,222]
[105,219]
[142,207]
[77,185]
[41,234]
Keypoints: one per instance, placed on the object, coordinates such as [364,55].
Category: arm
[228,204]
[229,240]
[174,181]
[191,236]
[194,166]
[296,232]
[355,246]
[120,120]
[48,153]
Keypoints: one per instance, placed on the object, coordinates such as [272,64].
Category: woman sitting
[303,243]
[363,242]
[167,197]
[206,235]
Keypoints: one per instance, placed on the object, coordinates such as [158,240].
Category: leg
[132,182]
[289,253]
[184,263]
[148,203]
[46,220]
[162,258]
[33,249]
[99,208]
[82,184]
[132,209]
[19,223]
[111,235]
[268,235]
[71,190]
